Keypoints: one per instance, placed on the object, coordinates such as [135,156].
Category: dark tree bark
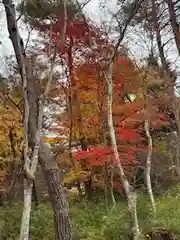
[57,195]
[158,36]
[61,216]
[34,195]
[174,24]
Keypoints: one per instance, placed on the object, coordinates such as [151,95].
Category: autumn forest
[90,120]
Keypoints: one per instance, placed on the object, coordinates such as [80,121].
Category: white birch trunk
[111,189]
[30,164]
[111,179]
[25,221]
[148,160]
[130,193]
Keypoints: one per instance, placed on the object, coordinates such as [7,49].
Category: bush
[10,218]
[92,221]
[41,222]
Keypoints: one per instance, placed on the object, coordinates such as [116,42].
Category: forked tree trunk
[59,202]
[129,190]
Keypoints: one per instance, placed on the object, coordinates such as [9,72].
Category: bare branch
[29,34]
[43,97]
[135,8]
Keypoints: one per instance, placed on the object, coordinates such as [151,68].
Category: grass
[92,220]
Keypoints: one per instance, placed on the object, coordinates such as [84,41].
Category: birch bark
[33,124]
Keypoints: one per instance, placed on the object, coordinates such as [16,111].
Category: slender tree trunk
[105,185]
[75,109]
[175,105]
[34,195]
[174,24]
[70,108]
[75,99]
[111,189]
[129,190]
[20,56]
[109,182]
[58,198]
[148,161]
[177,158]
[15,168]
[158,36]
[11,188]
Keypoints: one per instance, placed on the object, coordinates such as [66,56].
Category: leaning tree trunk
[158,36]
[170,78]
[149,157]
[20,56]
[57,195]
[174,24]
[129,190]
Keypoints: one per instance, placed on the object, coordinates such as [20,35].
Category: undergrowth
[92,220]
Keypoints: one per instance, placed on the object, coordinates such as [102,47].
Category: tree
[149,156]
[92,106]
[105,65]
[57,195]
[11,140]
[174,22]
[117,160]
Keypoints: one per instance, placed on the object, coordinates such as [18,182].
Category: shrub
[92,221]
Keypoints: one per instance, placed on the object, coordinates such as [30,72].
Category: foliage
[11,140]
[41,10]
[93,221]
[75,175]
[85,93]
[42,222]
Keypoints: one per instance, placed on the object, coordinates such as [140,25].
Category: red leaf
[128,134]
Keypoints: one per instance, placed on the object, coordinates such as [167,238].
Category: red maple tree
[128,117]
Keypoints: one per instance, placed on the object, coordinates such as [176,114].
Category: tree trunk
[111,189]
[57,195]
[174,24]
[34,195]
[11,188]
[175,105]
[70,113]
[148,163]
[88,189]
[106,184]
[109,180]
[158,36]
[129,190]
[60,206]
[58,199]
[24,234]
